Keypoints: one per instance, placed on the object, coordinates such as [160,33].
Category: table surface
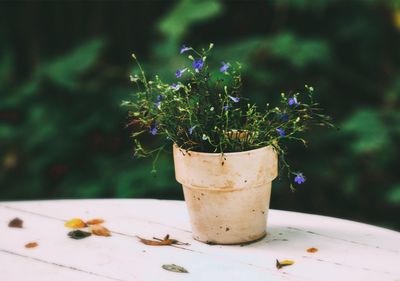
[346,250]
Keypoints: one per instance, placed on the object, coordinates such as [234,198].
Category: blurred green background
[64,69]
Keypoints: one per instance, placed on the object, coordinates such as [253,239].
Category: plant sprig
[204,111]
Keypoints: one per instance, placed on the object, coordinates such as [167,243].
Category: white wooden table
[346,250]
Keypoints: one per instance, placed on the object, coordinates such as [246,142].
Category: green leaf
[21,94]
[393,196]
[66,70]
[176,23]
[7,131]
[299,52]
[186,13]
[281,46]
[369,132]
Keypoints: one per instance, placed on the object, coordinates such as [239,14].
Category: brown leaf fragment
[31,245]
[94,221]
[75,223]
[100,230]
[174,268]
[280,264]
[161,242]
[16,222]
[312,250]
[78,234]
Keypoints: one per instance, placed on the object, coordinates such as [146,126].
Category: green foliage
[298,52]
[370,133]
[63,134]
[177,23]
[394,194]
[67,69]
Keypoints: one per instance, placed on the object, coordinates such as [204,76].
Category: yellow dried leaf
[75,223]
[155,242]
[100,230]
[312,250]
[280,264]
[161,242]
[94,221]
[31,245]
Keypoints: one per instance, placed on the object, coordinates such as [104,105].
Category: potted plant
[225,148]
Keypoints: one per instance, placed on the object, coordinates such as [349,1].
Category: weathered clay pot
[227,195]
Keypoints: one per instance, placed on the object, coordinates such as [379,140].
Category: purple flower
[159,99]
[179,72]
[234,99]
[184,49]
[299,179]
[191,130]
[224,67]
[198,65]
[281,132]
[226,107]
[293,101]
[175,86]
[153,129]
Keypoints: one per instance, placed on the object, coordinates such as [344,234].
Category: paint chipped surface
[341,243]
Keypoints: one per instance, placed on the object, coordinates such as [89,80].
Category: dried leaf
[75,223]
[280,264]
[100,230]
[17,222]
[312,250]
[31,245]
[94,221]
[78,234]
[161,242]
[175,268]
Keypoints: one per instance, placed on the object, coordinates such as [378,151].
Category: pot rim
[211,154]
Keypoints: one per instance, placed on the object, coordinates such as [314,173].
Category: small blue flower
[281,132]
[153,129]
[198,65]
[224,67]
[226,107]
[179,72]
[159,99]
[184,49]
[234,99]
[191,130]
[293,101]
[299,179]
[175,87]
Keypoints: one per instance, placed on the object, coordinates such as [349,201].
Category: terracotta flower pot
[227,195]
